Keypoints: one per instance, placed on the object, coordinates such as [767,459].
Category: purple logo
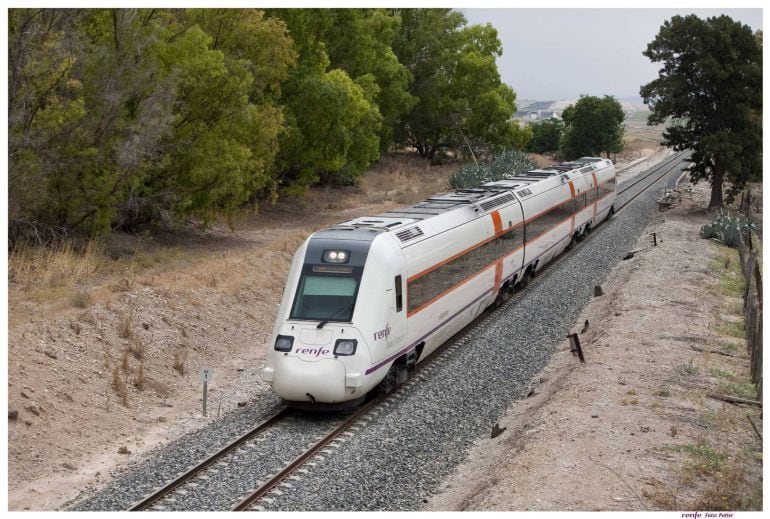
[382,334]
[315,352]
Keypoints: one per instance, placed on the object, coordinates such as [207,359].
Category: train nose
[294,379]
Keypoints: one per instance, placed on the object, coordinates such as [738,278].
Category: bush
[726,229]
[509,164]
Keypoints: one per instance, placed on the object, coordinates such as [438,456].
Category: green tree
[46,105]
[711,88]
[333,122]
[546,136]
[462,101]
[593,126]
[226,125]
[359,41]
[120,116]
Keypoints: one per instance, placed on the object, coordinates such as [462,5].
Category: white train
[367,299]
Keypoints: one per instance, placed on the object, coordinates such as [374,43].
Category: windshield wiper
[339,311]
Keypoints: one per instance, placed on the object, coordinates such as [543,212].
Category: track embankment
[632,428]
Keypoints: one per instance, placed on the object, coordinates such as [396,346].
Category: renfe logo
[315,352]
[382,333]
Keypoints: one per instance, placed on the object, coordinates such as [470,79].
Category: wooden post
[205,393]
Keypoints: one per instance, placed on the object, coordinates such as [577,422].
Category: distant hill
[540,105]
[521,104]
[630,104]
[635,100]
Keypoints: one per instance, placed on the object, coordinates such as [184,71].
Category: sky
[552,54]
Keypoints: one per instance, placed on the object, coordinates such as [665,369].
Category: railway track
[251,498]
[660,171]
[152,499]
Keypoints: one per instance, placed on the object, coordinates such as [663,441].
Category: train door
[396,294]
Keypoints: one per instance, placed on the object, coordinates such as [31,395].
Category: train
[366,300]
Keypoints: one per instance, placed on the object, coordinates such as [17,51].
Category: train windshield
[326,296]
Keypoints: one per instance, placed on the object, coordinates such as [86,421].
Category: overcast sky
[551,54]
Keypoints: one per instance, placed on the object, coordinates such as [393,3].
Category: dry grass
[82,298]
[704,461]
[636,148]
[139,378]
[125,328]
[727,268]
[125,364]
[735,329]
[401,179]
[180,362]
[721,474]
[137,348]
[48,274]
[125,284]
[731,486]
[88,317]
[119,385]
[40,267]
[542,161]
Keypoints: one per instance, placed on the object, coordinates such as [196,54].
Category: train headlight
[284,342]
[345,346]
[336,256]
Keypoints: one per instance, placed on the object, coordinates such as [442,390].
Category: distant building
[536,115]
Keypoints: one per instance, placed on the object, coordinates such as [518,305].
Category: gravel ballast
[401,452]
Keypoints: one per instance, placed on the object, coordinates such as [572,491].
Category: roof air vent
[489,204]
[409,234]
[524,192]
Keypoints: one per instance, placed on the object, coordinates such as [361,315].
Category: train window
[552,218]
[325,297]
[606,188]
[431,285]
[399,298]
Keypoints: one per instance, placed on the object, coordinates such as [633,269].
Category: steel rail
[666,172]
[677,159]
[300,460]
[159,494]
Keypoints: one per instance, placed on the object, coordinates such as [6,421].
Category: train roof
[482,199]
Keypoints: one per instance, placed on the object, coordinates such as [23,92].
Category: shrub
[726,229]
[509,164]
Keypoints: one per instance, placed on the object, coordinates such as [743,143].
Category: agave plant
[509,164]
[726,229]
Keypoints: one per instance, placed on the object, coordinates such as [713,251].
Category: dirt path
[632,428]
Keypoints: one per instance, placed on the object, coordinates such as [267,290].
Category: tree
[359,41]
[592,125]
[710,86]
[333,123]
[462,101]
[226,122]
[121,116]
[546,136]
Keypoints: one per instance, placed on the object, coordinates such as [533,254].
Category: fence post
[752,304]
[742,253]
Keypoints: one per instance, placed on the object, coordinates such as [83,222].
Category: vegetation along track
[344,423]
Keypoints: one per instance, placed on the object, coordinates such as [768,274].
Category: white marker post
[206,375]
